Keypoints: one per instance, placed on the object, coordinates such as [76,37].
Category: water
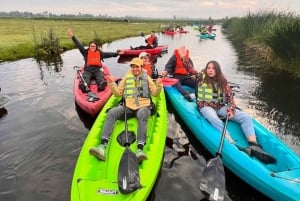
[42,131]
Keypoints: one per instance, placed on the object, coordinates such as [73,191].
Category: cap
[143,54]
[136,61]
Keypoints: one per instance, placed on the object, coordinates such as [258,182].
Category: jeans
[185,81]
[213,116]
[117,113]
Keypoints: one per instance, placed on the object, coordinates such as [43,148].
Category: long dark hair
[218,79]
[93,42]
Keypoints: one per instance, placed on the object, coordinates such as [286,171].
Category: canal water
[42,130]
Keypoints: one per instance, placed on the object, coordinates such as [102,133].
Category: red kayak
[93,101]
[158,50]
[174,32]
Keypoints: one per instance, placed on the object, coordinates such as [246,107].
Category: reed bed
[273,36]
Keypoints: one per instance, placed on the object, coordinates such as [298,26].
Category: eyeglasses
[92,45]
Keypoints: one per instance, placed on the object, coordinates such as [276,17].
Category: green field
[17,36]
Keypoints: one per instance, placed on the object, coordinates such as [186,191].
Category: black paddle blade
[128,175]
[212,181]
[142,34]
[122,138]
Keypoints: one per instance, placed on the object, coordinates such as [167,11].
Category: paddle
[212,181]
[128,173]
[91,96]
[142,34]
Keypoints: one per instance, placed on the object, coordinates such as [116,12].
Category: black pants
[92,72]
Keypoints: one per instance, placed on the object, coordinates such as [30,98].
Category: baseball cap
[143,54]
[136,61]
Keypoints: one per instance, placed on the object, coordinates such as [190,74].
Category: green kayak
[98,180]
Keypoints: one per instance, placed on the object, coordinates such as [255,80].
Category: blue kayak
[279,181]
[207,35]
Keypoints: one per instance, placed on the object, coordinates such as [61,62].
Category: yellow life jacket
[208,94]
[137,86]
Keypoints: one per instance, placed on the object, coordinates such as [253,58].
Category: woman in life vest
[148,64]
[152,42]
[136,87]
[181,67]
[215,100]
[93,58]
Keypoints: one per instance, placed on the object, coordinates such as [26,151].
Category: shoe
[102,86]
[257,152]
[141,155]
[188,97]
[98,152]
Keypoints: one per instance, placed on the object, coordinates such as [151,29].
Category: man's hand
[164,73]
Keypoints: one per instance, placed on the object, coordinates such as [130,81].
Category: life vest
[137,86]
[150,40]
[148,68]
[180,69]
[208,94]
[93,58]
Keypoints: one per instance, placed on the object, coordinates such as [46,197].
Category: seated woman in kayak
[215,101]
[152,42]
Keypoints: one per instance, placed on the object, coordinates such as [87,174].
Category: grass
[271,37]
[18,37]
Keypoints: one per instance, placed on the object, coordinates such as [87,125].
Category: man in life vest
[152,42]
[180,66]
[136,88]
[93,58]
[148,64]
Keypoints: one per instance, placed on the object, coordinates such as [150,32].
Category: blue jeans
[185,81]
[213,116]
[117,113]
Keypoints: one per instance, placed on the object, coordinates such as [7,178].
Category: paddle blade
[212,182]
[128,174]
[142,34]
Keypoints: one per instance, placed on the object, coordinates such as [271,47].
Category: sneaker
[102,86]
[188,97]
[98,152]
[140,155]
[260,154]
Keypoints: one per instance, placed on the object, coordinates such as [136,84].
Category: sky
[203,9]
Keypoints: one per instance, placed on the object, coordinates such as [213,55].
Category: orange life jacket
[150,40]
[93,58]
[148,68]
[180,69]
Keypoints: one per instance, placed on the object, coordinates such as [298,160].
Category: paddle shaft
[84,82]
[125,120]
[223,136]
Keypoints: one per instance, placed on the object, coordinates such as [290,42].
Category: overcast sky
[152,8]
